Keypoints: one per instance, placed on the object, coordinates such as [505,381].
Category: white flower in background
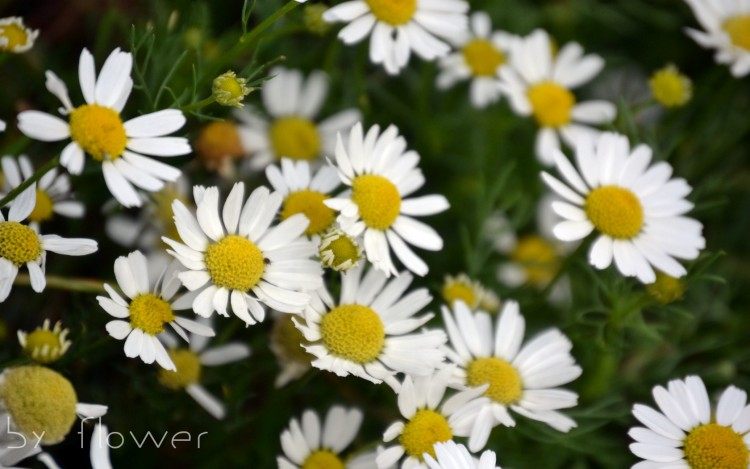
[3,126]
[451,455]
[637,210]
[463,288]
[15,36]
[292,103]
[381,173]
[398,27]
[726,25]
[97,128]
[99,449]
[538,83]
[480,54]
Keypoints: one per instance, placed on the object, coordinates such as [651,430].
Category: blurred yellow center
[614,211]
[666,289]
[149,313]
[295,137]
[188,369]
[551,104]
[482,57]
[218,142]
[538,259]
[420,434]
[15,35]
[323,459]
[713,446]
[309,203]
[287,340]
[455,291]
[163,210]
[505,383]
[393,12]
[235,263]
[18,243]
[670,88]
[43,208]
[738,29]
[353,332]
[378,200]
[41,339]
[99,131]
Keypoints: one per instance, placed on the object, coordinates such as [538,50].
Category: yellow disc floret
[43,208]
[666,289]
[323,459]
[420,434]
[353,332]
[99,131]
[149,313]
[218,142]
[538,258]
[295,137]
[309,203]
[670,88]
[712,446]
[738,29]
[482,57]
[235,263]
[615,211]
[505,382]
[393,12]
[45,345]
[40,401]
[188,369]
[14,36]
[228,90]
[460,288]
[551,104]
[18,243]
[378,200]
[339,251]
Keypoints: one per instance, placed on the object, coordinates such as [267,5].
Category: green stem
[83,285]
[197,106]
[34,178]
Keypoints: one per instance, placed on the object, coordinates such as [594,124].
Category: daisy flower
[381,173]
[311,445]
[687,432]
[463,288]
[96,128]
[15,36]
[451,455]
[292,103]
[151,306]
[637,210]
[726,25]
[23,245]
[238,257]
[399,27]
[367,333]
[45,345]
[52,191]
[523,379]
[480,55]
[538,83]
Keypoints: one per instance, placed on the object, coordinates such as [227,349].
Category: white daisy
[311,445]
[368,333]
[522,379]
[637,210]
[150,307]
[381,173]
[15,36]
[400,27]
[96,128]
[480,55]
[23,245]
[238,257]
[292,104]
[538,84]
[687,433]
[727,29]
[451,455]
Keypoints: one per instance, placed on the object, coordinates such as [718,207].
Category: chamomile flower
[726,25]
[471,292]
[15,36]
[149,308]
[637,211]
[311,444]
[480,55]
[97,128]
[381,174]
[523,379]
[45,345]
[339,251]
[369,333]
[23,245]
[538,83]
[686,432]
[238,258]
[400,27]
[451,455]
[292,104]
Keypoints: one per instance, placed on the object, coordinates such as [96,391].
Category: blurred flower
[727,29]
[670,87]
[287,344]
[219,143]
[666,289]
[637,211]
[15,37]
[2,126]
[97,129]
[45,345]
[454,456]
[313,19]
[471,292]
[228,90]
[339,251]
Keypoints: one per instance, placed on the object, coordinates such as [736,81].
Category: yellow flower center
[353,332]
[310,203]
[163,208]
[295,137]
[235,263]
[713,446]
[323,459]
[15,34]
[615,211]
[456,290]
[378,200]
[99,131]
[505,383]
[339,251]
[551,104]
[671,88]
[393,12]
[426,428]
[482,57]
[188,369]
[39,341]
[666,289]
[40,401]
[538,259]
[149,313]
[288,340]
[217,142]
[738,29]
[43,208]
[18,243]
